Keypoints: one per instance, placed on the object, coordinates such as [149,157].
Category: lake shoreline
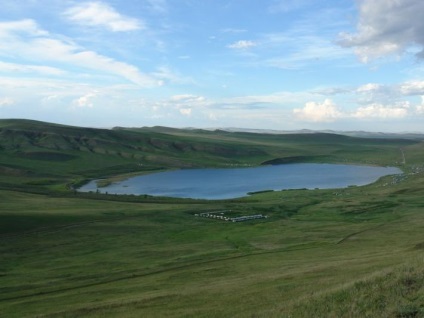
[230,183]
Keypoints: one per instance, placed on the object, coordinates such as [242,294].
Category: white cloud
[185,111]
[186,103]
[387,27]
[382,111]
[99,14]
[6,101]
[326,91]
[370,87]
[53,99]
[86,100]
[242,45]
[318,112]
[27,26]
[396,94]
[188,98]
[24,39]
[41,69]
[412,88]
[371,92]
[329,112]
[366,102]
[377,93]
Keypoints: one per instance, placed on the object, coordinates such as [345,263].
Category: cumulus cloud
[386,27]
[326,111]
[412,88]
[377,93]
[382,111]
[26,40]
[242,45]
[394,95]
[99,14]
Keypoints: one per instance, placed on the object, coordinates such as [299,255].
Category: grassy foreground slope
[355,252]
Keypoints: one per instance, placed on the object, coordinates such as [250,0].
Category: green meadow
[352,252]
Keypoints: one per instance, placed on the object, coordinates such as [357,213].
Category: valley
[351,252]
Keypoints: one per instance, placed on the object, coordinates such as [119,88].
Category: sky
[270,64]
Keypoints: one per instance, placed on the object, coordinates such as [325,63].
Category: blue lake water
[238,182]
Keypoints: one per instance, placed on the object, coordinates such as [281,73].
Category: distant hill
[362,134]
[30,149]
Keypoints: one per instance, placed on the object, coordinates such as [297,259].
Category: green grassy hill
[354,252]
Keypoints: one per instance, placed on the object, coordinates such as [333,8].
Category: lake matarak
[238,182]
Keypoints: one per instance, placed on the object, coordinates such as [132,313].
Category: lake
[238,182]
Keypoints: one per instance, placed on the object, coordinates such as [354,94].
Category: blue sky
[272,64]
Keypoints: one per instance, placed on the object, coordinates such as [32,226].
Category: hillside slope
[352,252]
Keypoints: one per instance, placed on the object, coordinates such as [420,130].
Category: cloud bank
[387,27]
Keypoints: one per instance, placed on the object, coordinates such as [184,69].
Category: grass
[354,252]
[93,258]
[397,292]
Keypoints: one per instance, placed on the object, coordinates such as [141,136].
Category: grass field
[354,252]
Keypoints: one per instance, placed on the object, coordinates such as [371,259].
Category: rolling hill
[65,154]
